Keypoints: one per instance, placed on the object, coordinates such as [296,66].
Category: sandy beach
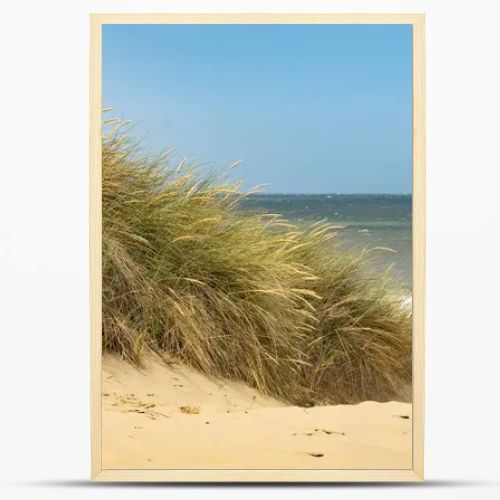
[173,417]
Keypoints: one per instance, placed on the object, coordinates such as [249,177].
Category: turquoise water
[367,221]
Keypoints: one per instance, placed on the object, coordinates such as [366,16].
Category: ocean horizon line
[267,193]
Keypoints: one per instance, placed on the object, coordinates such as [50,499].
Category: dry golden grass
[249,297]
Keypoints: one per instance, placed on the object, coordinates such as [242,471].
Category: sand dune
[173,417]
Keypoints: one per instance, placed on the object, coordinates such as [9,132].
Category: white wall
[44,415]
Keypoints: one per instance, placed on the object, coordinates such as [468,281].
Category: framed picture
[257,247]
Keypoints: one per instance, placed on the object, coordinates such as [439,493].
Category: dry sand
[173,417]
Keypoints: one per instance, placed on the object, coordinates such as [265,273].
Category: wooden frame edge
[257,18]
[95,241]
[249,475]
[419,243]
[417,20]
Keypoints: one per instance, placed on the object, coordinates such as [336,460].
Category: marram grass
[190,276]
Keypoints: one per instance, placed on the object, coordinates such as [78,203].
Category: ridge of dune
[170,416]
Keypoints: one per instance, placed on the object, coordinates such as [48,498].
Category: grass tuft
[250,297]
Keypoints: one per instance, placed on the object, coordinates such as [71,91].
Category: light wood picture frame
[416,473]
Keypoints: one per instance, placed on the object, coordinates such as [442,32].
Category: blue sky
[308,108]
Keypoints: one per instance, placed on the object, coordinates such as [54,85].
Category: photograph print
[257,247]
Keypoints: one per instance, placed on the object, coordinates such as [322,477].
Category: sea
[373,221]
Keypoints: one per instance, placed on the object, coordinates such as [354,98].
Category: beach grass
[251,297]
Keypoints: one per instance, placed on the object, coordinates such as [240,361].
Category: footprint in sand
[316,455]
